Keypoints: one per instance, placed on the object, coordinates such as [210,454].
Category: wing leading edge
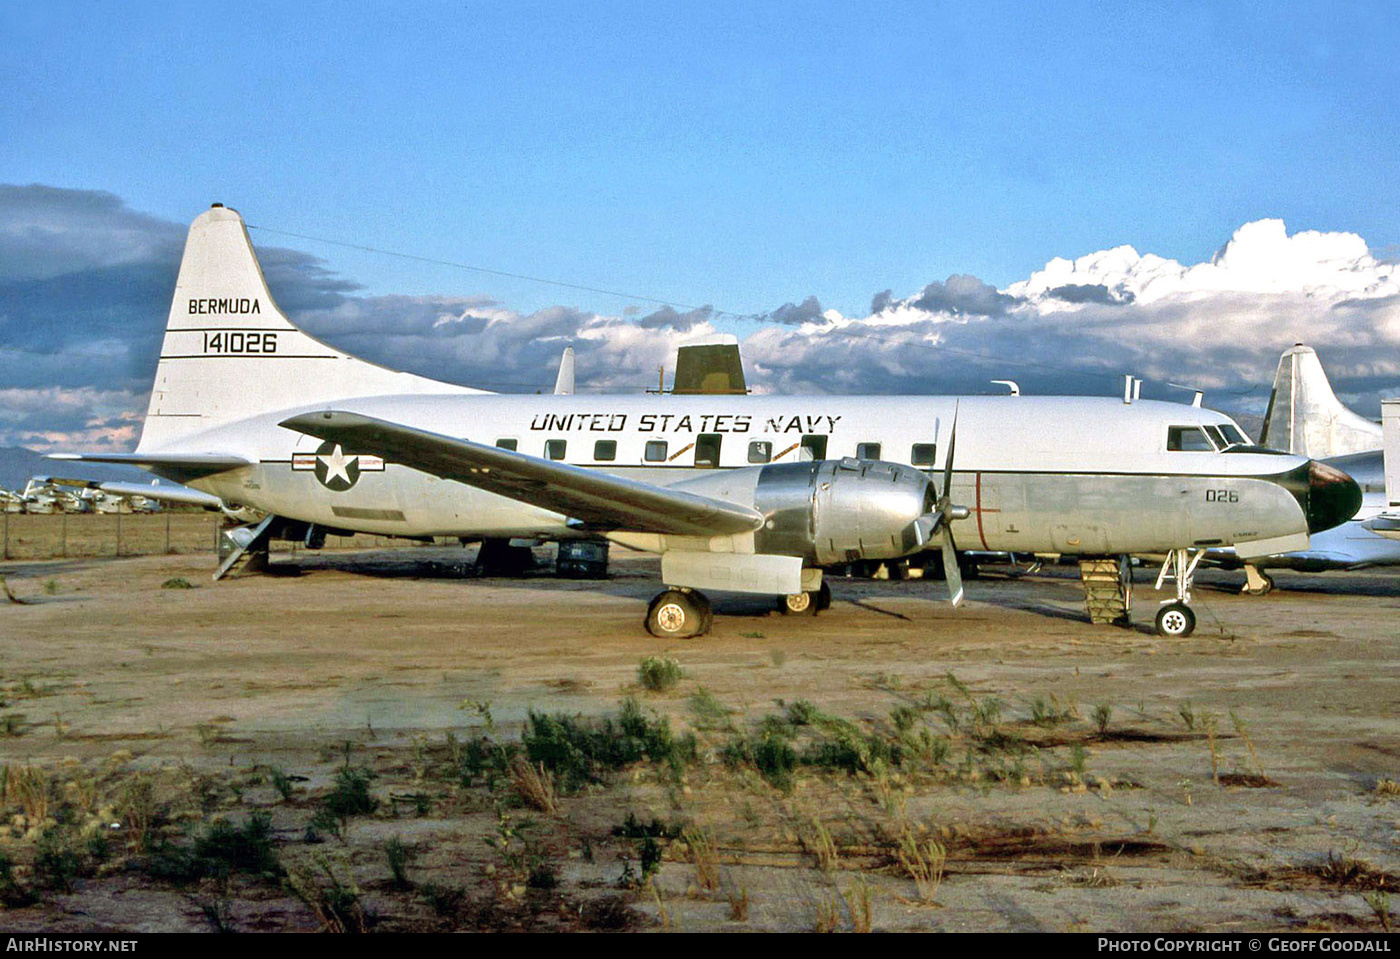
[599,500]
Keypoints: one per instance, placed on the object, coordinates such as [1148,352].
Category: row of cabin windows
[706,445]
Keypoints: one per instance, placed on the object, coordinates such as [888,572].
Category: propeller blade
[948,461]
[951,572]
[927,525]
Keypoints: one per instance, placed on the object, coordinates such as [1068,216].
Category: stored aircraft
[753,494]
[1304,416]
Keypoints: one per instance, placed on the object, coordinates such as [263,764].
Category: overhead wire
[865,332]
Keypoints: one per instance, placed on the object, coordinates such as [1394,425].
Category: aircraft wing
[598,499]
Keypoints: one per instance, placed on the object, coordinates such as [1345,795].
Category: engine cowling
[841,511]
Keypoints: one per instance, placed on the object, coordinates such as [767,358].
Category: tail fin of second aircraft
[1305,416]
[230,352]
[1390,421]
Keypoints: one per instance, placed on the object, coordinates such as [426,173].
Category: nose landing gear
[1175,620]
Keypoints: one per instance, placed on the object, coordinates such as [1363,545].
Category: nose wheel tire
[1175,621]
[679,614]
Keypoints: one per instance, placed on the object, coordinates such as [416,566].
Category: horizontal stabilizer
[600,500]
[181,467]
[164,493]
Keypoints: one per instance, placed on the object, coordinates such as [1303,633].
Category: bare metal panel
[771,575]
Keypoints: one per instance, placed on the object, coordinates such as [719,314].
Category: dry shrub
[534,784]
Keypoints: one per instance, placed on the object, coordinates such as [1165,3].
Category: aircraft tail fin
[1305,416]
[1390,423]
[230,352]
[564,382]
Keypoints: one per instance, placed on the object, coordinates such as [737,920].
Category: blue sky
[731,154]
[904,197]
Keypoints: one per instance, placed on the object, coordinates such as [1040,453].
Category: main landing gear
[1175,619]
[808,603]
[1256,581]
[679,614]
[683,613]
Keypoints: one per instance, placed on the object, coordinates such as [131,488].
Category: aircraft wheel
[823,598]
[799,604]
[676,614]
[1175,621]
[1264,587]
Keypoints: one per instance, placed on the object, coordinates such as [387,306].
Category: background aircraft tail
[230,352]
[1390,419]
[1305,416]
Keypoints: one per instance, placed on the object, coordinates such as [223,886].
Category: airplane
[1387,522]
[40,498]
[1305,416]
[749,494]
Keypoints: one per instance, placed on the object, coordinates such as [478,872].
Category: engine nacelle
[841,511]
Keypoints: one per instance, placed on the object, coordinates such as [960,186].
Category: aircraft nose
[1333,497]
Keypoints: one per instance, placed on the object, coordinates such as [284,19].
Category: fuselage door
[707,450]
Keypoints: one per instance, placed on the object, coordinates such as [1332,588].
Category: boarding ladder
[1108,590]
[243,549]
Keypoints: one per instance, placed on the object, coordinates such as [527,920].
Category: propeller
[944,512]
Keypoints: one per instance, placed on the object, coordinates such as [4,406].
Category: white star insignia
[337,464]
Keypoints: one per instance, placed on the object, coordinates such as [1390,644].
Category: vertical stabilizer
[564,382]
[710,368]
[1305,416]
[230,352]
[1390,422]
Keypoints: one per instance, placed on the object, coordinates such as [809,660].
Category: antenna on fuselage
[1132,388]
[1196,399]
[1012,385]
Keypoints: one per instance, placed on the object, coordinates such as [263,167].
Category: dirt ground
[892,764]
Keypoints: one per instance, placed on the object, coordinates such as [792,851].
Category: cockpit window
[1235,435]
[1216,436]
[1188,439]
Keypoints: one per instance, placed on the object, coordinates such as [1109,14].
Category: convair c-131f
[752,494]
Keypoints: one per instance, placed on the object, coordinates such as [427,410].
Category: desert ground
[376,739]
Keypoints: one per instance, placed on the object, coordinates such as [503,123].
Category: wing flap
[599,500]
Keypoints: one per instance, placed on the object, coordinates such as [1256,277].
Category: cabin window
[508,443]
[707,450]
[760,451]
[813,447]
[1188,439]
[605,451]
[554,449]
[923,454]
[867,451]
[656,451]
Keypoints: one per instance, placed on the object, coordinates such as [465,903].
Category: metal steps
[243,549]
[1108,593]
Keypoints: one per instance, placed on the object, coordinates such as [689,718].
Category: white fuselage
[1039,474]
